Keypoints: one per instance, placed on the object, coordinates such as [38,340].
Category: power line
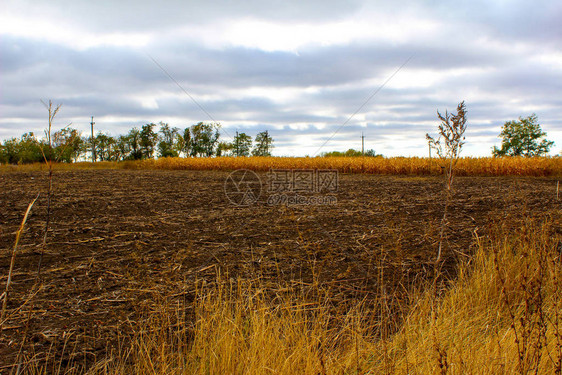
[186,93]
[364,104]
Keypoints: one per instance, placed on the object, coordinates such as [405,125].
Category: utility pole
[236,143]
[362,144]
[93,141]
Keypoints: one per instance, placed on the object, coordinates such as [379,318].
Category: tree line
[199,140]
[351,153]
[523,137]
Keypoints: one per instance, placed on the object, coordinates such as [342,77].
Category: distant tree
[204,139]
[332,154]
[122,147]
[148,139]
[68,145]
[242,144]
[263,144]
[114,151]
[523,138]
[26,149]
[351,153]
[168,141]
[135,148]
[32,149]
[188,142]
[85,149]
[105,147]
[224,149]
[183,143]
[3,154]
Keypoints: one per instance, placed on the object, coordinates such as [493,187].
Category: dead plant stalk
[448,147]
[13,260]
[49,162]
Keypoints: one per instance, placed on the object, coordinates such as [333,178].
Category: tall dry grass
[508,166]
[512,166]
[501,315]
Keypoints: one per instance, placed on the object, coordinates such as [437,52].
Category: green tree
[167,147]
[242,144]
[26,149]
[3,154]
[134,139]
[225,149]
[351,153]
[148,139]
[105,147]
[264,144]
[123,147]
[183,143]
[114,153]
[333,153]
[68,145]
[204,139]
[85,148]
[523,138]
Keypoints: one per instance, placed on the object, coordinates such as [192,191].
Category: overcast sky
[299,69]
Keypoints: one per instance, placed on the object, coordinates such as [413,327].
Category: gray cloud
[504,60]
[140,15]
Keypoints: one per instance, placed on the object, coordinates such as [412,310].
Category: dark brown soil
[117,238]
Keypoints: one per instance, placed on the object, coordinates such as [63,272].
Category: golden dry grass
[501,315]
[508,166]
[379,165]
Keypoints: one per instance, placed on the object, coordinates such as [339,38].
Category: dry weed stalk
[448,147]
[6,293]
[48,156]
[449,144]
[555,320]
[523,295]
[49,162]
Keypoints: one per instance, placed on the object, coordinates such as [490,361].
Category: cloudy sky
[299,69]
